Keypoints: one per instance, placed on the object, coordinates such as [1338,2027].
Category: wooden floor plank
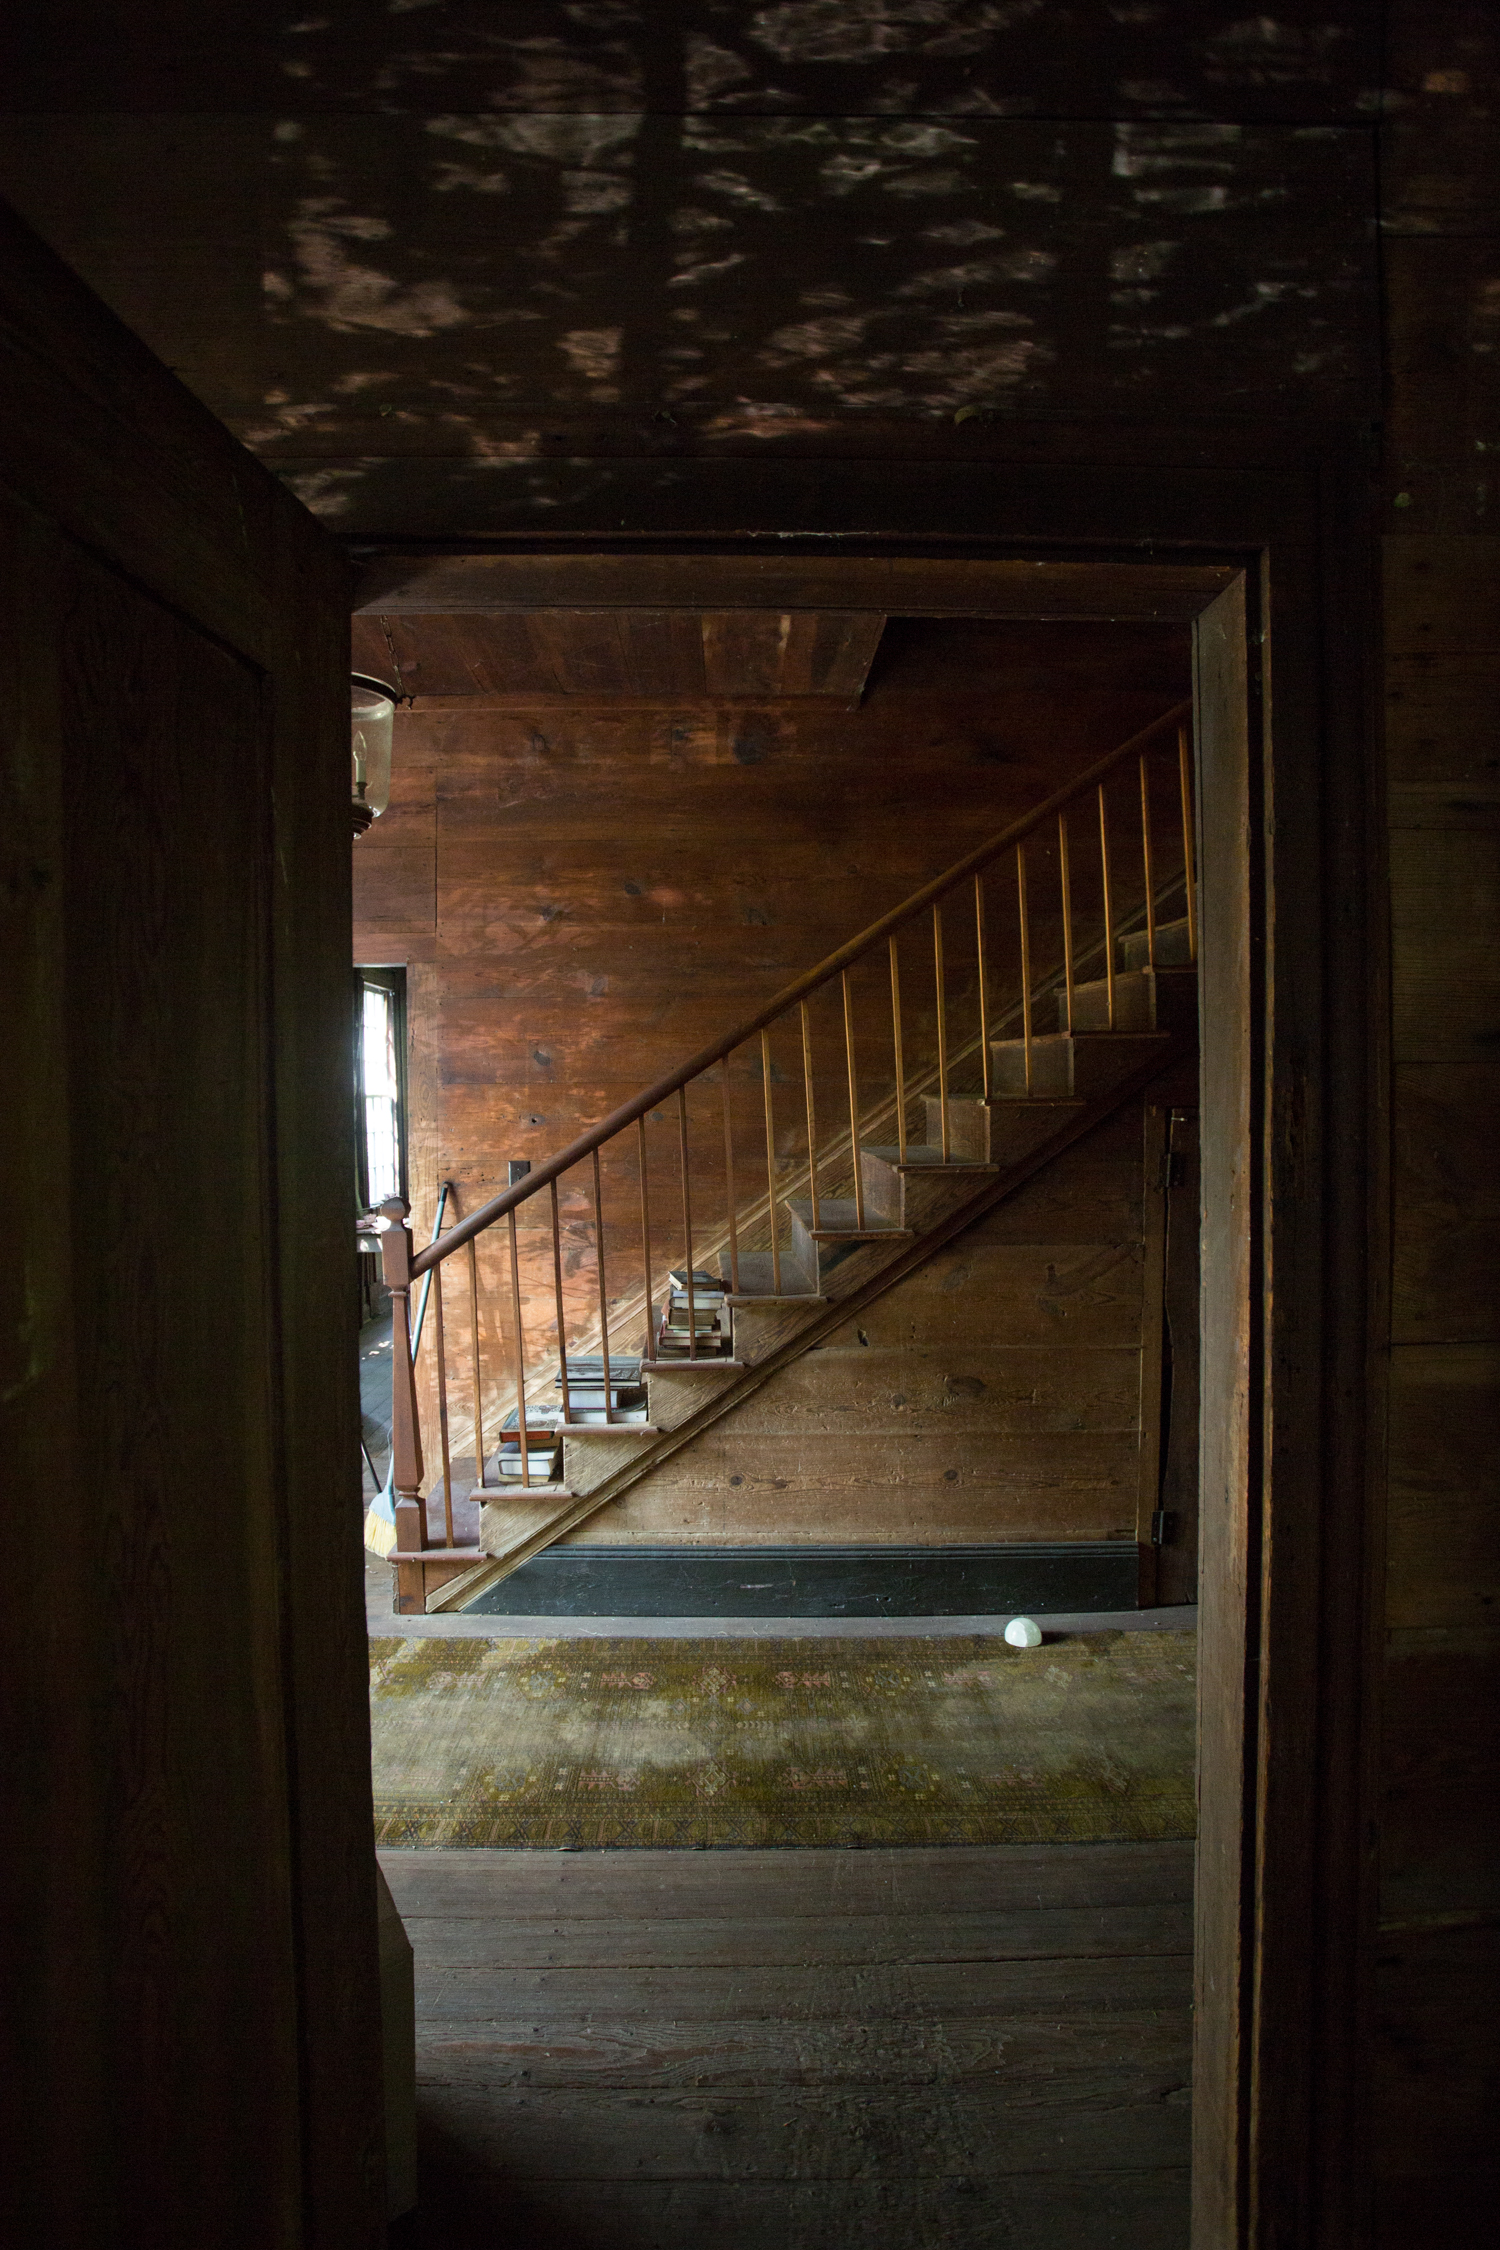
[960,2049]
[820,2133]
[1039,2061]
[739,1885]
[797,1993]
[1089,2210]
[475,1942]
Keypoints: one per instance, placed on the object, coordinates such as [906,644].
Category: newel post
[406,1439]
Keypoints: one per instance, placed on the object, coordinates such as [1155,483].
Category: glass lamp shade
[372,713]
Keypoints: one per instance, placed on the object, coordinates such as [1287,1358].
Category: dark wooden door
[190,1918]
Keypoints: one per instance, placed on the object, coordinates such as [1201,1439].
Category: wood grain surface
[189,1900]
[924,2045]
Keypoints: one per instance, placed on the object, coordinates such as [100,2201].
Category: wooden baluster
[478,1388]
[859,1178]
[988,1063]
[640,1128]
[1185,785]
[1146,864]
[942,1026]
[609,1412]
[1109,919]
[734,1231]
[900,1059]
[812,1122]
[442,1391]
[1025,965]
[557,1290]
[406,1437]
[687,1220]
[1067,912]
[765,1072]
[519,1350]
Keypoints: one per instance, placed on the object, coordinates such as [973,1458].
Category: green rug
[720,1743]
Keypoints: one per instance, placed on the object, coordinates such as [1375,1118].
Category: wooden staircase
[997,1117]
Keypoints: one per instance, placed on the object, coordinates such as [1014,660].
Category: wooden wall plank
[1445,934]
[1447,1203]
[1442,595]
[192,1903]
[1437,2051]
[1443,1535]
[1442,718]
[1440,1805]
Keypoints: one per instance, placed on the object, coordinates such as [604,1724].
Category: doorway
[1215,597]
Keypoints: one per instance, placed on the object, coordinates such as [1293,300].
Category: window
[380,1084]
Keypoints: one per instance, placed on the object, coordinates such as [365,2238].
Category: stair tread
[608,1429]
[1183,969]
[1057,1038]
[705,1363]
[485,1495]
[785,1297]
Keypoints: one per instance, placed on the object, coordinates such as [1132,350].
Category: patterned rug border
[637,1701]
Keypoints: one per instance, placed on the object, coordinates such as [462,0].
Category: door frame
[1265,565]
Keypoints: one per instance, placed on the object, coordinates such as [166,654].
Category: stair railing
[1078,824]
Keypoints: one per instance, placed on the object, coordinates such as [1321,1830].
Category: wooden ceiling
[664,655]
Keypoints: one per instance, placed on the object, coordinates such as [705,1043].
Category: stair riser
[968,1129]
[1134,1006]
[1085,1068]
[1051,1070]
[1001,1133]
[1165,1000]
[838,1266]
[916,1200]
[1171,948]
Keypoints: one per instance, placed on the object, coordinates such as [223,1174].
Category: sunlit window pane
[382,1125]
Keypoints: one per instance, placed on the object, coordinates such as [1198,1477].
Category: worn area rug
[733,1743]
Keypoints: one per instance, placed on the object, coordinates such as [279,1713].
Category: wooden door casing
[190,1878]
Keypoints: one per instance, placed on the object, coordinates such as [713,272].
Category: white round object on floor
[1024,1632]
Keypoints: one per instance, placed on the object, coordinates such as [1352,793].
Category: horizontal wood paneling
[929,1391]
[1440,1803]
[1442,598]
[1435,2054]
[1447,1202]
[1436,2050]
[1443,1532]
[992,1395]
[901,1492]
[1442,719]
[1445,934]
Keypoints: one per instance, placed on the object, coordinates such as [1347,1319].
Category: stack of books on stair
[543,1450]
[588,1395]
[707,1322]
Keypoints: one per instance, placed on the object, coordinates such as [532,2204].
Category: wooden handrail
[587,1144]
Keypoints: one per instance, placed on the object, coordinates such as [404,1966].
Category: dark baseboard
[589,1581]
